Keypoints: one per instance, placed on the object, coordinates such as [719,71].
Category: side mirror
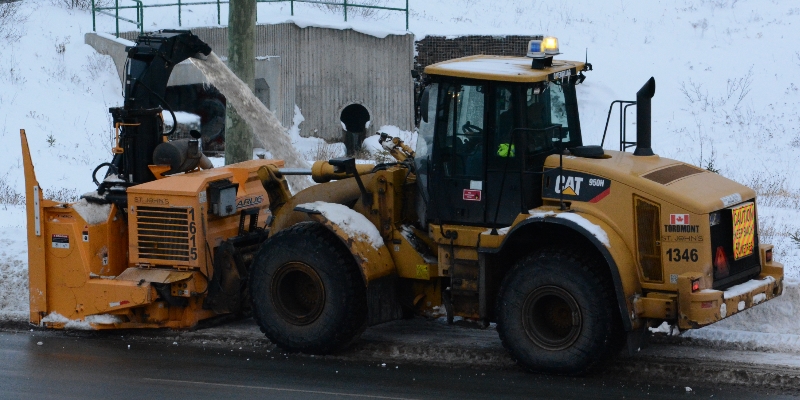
[423,104]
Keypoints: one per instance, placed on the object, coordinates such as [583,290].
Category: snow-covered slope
[728,95]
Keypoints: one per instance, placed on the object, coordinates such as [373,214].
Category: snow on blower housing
[502,215]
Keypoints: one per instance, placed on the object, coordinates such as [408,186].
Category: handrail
[113,11]
[623,125]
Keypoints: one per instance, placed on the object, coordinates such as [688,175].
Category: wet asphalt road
[70,367]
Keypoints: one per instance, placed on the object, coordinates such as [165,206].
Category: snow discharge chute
[262,121]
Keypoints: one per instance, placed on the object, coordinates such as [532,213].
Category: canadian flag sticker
[679,219]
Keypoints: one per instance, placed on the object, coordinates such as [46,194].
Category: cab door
[457,179]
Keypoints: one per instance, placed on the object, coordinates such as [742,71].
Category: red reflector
[721,269]
[768,255]
[707,304]
[695,285]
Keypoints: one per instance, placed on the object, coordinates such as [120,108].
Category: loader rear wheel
[555,314]
[307,291]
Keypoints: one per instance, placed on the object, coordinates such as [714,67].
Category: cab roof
[499,68]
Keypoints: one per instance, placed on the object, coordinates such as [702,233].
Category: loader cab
[484,137]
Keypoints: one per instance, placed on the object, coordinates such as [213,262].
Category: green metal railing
[113,11]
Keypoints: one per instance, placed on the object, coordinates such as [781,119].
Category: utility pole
[242,61]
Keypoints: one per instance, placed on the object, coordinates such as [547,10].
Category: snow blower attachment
[161,243]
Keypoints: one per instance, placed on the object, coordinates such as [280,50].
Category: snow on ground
[13,263]
[728,98]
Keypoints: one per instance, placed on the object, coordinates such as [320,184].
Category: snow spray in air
[261,120]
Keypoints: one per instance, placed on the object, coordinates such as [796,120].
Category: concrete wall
[324,70]
[111,46]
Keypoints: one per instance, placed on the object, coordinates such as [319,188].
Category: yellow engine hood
[686,186]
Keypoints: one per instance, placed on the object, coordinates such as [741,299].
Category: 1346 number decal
[678,255]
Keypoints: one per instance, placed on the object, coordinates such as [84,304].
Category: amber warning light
[542,52]
[548,46]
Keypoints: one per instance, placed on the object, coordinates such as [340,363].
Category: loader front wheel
[555,312]
[307,291]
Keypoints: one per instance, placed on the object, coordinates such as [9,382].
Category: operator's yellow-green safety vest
[502,150]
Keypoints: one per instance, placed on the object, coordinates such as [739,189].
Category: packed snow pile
[92,213]
[667,329]
[312,148]
[83,325]
[351,222]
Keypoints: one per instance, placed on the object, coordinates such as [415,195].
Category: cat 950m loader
[502,215]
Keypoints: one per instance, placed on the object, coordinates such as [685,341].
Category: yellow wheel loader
[501,214]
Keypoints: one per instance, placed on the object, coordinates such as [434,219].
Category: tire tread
[328,337]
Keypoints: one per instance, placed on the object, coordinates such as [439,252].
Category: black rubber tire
[545,281]
[326,326]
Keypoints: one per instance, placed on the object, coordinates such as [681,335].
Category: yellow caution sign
[744,223]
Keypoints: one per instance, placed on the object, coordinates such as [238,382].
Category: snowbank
[13,264]
[772,326]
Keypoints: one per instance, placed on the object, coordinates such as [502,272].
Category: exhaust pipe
[643,123]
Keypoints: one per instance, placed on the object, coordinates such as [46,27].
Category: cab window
[462,143]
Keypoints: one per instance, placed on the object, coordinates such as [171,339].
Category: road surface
[64,365]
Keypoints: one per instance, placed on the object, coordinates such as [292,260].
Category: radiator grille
[649,240]
[163,233]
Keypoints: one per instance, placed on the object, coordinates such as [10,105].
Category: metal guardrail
[113,11]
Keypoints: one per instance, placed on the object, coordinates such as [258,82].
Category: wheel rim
[298,293]
[551,318]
